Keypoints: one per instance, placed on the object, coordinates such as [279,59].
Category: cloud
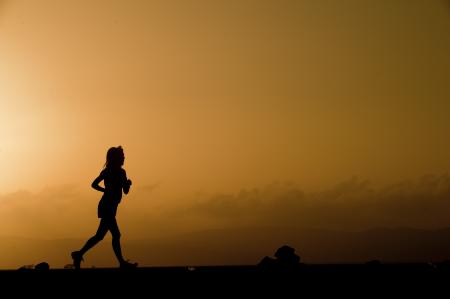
[150,187]
[71,211]
[55,211]
[351,205]
[354,204]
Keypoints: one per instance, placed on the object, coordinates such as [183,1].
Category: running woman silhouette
[115,181]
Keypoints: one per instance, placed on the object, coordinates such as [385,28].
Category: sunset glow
[216,98]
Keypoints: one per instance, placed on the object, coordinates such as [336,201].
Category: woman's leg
[101,232]
[115,232]
[77,256]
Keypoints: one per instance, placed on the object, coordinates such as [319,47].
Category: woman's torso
[114,180]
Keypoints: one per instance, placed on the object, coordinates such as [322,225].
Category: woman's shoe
[128,265]
[77,258]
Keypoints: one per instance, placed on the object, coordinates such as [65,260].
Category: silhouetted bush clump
[285,260]
[44,266]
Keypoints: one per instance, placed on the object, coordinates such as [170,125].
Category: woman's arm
[126,184]
[95,183]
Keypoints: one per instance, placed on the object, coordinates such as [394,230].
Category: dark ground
[359,281]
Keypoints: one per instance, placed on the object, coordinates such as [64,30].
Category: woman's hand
[126,187]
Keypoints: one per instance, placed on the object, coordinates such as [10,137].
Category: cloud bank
[351,205]
[70,211]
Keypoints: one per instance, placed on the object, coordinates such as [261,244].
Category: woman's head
[115,157]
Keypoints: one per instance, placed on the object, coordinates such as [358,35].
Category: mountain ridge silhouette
[244,246]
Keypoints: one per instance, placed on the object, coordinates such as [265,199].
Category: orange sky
[209,97]
[225,95]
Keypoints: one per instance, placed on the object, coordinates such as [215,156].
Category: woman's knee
[116,236]
[98,237]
